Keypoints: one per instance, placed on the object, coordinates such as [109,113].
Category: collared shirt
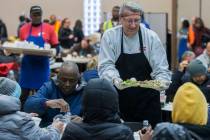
[110,50]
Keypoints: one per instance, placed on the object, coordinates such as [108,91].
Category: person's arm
[158,60]
[107,59]
[57,48]
[36,102]
[176,81]
[23,31]
[40,102]
[31,131]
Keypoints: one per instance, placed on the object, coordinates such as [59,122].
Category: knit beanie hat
[189,105]
[9,87]
[196,67]
[170,131]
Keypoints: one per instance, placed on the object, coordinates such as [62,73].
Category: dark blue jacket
[49,91]
[90,74]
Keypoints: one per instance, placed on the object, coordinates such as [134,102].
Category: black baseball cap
[36,10]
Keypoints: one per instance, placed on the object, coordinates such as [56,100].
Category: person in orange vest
[198,33]
[55,23]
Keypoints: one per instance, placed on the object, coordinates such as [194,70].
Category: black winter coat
[100,109]
[103,131]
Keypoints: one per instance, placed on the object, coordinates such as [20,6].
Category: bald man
[61,94]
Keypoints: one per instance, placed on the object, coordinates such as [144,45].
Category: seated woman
[83,49]
[65,36]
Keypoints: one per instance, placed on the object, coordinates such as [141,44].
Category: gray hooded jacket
[16,125]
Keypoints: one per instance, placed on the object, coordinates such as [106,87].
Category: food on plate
[154,84]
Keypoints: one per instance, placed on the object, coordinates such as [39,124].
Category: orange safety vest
[191,35]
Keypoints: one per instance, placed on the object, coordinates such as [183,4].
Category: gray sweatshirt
[110,50]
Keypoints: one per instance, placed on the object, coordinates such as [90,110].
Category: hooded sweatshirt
[16,125]
[100,110]
[190,109]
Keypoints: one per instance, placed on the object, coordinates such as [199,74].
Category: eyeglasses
[130,21]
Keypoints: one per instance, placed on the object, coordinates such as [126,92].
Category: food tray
[154,84]
[77,59]
[29,51]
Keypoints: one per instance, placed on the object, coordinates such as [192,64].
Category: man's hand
[58,103]
[58,125]
[164,85]
[183,65]
[118,83]
[147,135]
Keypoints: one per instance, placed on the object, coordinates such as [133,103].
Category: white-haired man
[131,50]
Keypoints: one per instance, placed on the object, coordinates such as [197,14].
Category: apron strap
[140,40]
[29,33]
[41,31]
[122,42]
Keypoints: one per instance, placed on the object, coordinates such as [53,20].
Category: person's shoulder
[148,32]
[119,127]
[76,130]
[47,26]
[25,27]
[79,89]
[112,34]
[114,30]
[201,57]
[49,84]
[123,131]
[123,127]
